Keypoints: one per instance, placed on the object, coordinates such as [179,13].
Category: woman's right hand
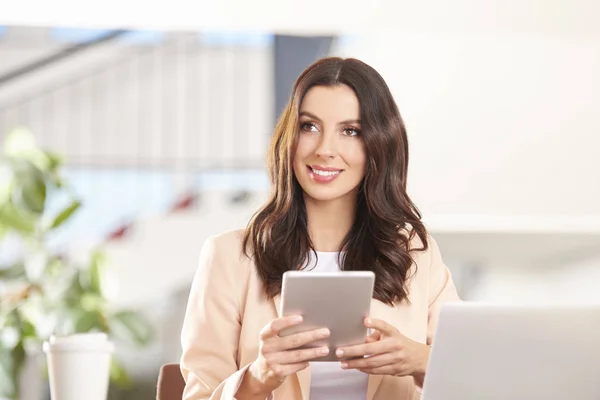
[279,357]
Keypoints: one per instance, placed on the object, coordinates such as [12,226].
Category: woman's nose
[327,146]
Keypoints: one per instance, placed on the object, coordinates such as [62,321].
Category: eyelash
[305,125]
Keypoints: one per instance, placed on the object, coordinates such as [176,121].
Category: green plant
[43,291]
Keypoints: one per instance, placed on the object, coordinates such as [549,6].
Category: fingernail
[324,332]
[339,353]
[297,318]
[324,351]
[368,321]
[344,365]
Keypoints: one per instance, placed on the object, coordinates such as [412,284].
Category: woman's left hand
[388,352]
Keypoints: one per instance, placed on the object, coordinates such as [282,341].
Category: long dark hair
[386,219]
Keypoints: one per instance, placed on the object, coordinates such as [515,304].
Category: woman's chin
[326,194]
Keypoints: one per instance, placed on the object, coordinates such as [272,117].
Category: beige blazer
[227,309]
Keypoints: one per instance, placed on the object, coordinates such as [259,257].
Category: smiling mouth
[325,172]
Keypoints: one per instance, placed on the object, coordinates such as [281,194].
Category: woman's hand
[278,357]
[388,352]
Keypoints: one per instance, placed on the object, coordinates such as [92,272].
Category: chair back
[170,383]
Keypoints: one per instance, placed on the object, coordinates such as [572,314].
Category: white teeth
[325,173]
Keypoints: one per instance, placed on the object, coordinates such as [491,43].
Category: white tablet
[339,301]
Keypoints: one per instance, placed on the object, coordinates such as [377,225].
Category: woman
[338,164]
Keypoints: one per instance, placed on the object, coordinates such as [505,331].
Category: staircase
[141,124]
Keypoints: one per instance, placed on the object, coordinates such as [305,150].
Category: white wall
[498,124]
[579,283]
[504,144]
[573,283]
[333,16]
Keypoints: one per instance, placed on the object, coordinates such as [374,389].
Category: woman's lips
[322,174]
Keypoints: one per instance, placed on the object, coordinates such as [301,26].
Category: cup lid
[93,341]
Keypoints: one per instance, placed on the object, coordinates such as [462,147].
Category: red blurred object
[184,203]
[119,233]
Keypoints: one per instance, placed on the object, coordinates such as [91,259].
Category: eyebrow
[313,116]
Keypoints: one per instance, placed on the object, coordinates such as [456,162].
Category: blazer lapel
[304,382]
[374,382]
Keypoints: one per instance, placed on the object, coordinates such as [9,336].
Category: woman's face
[329,162]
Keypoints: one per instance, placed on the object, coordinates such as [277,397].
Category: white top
[328,380]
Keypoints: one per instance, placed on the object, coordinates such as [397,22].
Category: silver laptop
[493,352]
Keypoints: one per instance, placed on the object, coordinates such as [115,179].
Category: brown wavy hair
[386,219]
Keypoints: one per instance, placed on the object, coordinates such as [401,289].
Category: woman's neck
[329,222]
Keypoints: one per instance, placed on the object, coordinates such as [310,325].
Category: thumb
[373,337]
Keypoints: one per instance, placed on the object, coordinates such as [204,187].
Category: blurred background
[161,118]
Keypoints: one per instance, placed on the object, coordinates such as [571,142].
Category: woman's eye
[351,132]
[308,127]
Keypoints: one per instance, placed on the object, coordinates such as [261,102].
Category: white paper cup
[79,366]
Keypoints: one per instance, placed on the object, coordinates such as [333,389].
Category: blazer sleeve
[441,289]
[211,328]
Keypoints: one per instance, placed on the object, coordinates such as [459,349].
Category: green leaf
[97,272]
[92,301]
[30,192]
[19,142]
[77,320]
[18,356]
[11,364]
[97,279]
[87,321]
[131,328]
[65,214]
[119,376]
[8,385]
[28,330]
[54,161]
[3,231]
[15,272]
[6,181]
[13,218]
[71,290]
[56,267]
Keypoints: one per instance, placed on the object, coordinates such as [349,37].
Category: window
[76,35]
[347,40]
[236,38]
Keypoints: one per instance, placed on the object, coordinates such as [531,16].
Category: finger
[373,337]
[274,327]
[296,340]
[367,349]
[296,356]
[381,326]
[372,362]
[282,371]
[385,370]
